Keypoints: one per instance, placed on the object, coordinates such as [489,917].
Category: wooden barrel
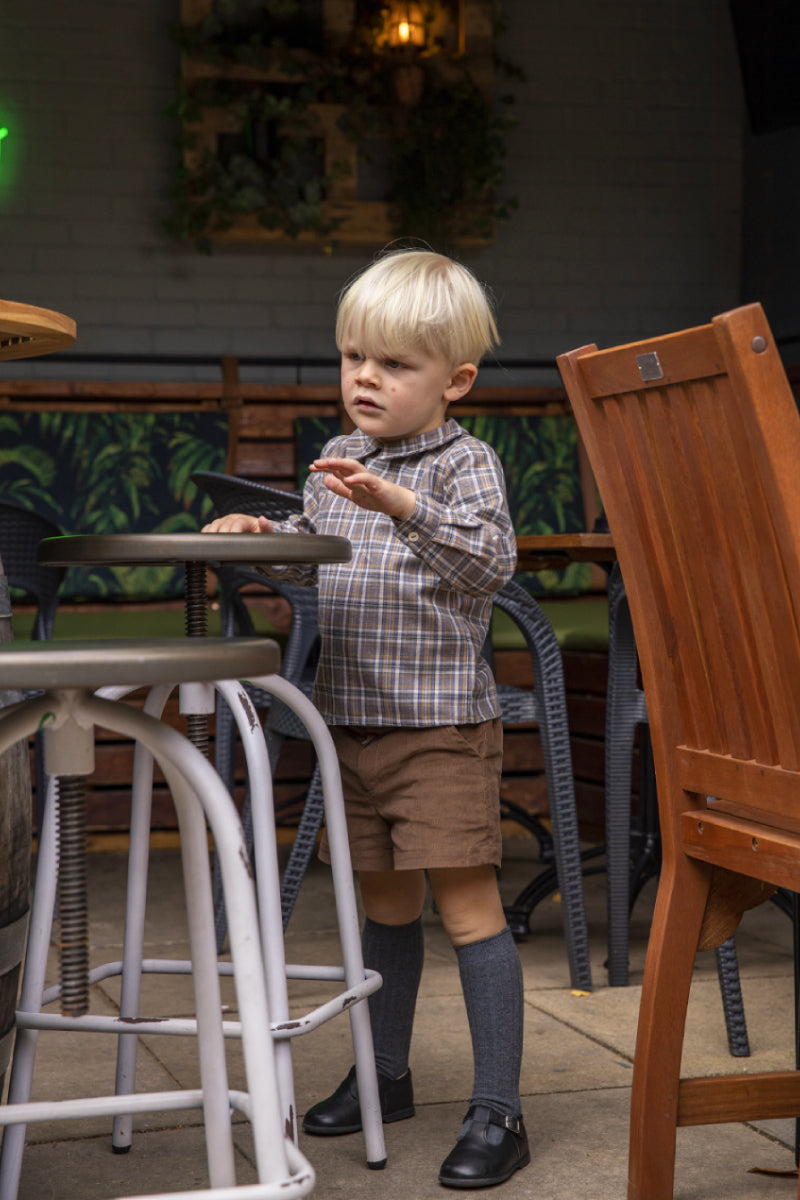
[15,857]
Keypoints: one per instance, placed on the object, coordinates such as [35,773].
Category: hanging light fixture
[412,32]
[406,26]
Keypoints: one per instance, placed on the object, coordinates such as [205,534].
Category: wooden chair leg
[671,953]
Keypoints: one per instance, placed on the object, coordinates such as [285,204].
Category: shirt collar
[363,445]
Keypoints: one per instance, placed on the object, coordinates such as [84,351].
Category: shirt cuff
[423,522]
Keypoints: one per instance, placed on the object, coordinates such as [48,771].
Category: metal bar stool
[196,550]
[68,712]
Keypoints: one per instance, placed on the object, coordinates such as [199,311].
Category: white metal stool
[68,713]
[195,551]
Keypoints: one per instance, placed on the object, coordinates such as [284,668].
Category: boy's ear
[461,381]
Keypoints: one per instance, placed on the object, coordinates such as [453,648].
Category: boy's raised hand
[347,477]
[238,523]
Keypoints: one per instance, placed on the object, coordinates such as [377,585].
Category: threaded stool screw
[196,626]
[73,897]
[195,590]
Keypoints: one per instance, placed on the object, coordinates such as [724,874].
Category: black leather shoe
[341,1113]
[489,1149]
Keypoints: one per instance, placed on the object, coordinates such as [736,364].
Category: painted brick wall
[627,164]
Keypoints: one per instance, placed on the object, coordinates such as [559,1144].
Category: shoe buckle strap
[502,1121]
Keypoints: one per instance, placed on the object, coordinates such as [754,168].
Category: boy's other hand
[347,477]
[239,523]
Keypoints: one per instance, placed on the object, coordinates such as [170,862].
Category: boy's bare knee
[473,927]
[392,897]
[469,902]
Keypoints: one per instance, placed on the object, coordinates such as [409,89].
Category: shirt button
[413,537]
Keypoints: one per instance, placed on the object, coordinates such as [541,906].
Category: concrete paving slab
[68,1065]
[575,1079]
[86,1169]
[610,1016]
[579,1148]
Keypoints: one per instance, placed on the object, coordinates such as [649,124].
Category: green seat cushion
[136,623]
[580,623]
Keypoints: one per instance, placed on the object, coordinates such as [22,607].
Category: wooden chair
[694,439]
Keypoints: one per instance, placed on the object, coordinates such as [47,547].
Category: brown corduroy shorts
[419,798]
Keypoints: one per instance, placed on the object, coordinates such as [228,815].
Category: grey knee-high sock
[397,952]
[491,979]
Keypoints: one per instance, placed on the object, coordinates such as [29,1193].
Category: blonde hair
[417,300]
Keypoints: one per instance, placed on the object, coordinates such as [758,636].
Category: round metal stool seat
[134,662]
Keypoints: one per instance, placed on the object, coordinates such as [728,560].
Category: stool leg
[135,904]
[268,887]
[265,856]
[179,760]
[211,1046]
[347,913]
[41,923]
[205,977]
[353,962]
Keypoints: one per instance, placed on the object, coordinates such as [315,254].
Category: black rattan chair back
[21,530]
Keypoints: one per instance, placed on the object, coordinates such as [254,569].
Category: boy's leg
[393,945]
[492,1144]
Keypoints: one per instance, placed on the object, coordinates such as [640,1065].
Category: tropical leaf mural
[112,472]
[540,461]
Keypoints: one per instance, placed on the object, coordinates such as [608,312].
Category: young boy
[410,702]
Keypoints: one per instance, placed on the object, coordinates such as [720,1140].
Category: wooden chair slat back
[694,440]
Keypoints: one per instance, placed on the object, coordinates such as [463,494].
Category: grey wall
[771,230]
[627,163]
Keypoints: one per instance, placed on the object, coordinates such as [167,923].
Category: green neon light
[3,134]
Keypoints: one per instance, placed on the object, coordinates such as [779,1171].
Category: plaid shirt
[404,622]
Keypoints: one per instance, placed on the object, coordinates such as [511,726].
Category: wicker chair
[21,530]
[20,533]
[231,494]
[631,862]
[546,705]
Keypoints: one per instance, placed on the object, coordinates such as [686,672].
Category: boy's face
[392,399]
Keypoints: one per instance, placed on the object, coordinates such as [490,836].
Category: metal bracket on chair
[649,367]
